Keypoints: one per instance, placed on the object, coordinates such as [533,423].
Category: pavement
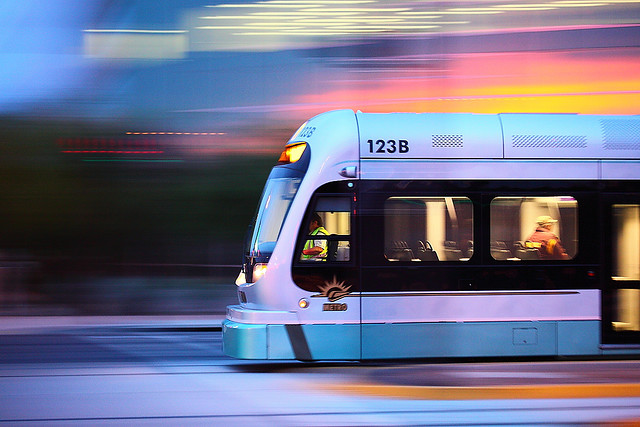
[423,381]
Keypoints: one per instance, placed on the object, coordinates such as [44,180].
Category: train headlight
[258,271]
[241,279]
[292,153]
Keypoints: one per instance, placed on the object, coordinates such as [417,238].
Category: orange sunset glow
[578,81]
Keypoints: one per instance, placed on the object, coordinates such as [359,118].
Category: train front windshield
[277,196]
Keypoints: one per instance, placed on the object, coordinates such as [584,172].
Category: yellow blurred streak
[583,104]
[265,16]
[336,23]
[362,10]
[523,8]
[469,12]
[545,391]
[260,5]
[557,4]
[518,6]
[320,2]
[358,19]
[426,15]
[244,27]
[305,13]
[313,33]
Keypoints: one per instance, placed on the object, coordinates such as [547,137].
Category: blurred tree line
[85,209]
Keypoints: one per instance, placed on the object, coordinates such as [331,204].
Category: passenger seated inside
[545,241]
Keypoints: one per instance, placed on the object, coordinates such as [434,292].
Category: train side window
[534,228]
[626,266]
[423,229]
[328,231]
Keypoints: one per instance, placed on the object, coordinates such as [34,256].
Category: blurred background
[136,135]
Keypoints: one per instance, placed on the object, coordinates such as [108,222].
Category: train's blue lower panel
[411,340]
[314,342]
[480,339]
[579,338]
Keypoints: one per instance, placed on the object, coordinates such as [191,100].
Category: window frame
[481,272]
[425,250]
[304,236]
[527,249]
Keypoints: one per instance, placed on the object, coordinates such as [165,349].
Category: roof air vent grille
[620,134]
[446,141]
[549,141]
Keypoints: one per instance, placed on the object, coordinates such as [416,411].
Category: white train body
[426,251]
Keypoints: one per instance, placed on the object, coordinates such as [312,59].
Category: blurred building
[136,134]
[196,65]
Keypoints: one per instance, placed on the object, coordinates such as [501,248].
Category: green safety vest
[311,243]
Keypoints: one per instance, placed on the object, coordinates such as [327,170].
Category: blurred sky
[193,65]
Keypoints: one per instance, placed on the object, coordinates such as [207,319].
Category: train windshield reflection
[274,205]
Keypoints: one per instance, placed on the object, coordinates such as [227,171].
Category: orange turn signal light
[292,153]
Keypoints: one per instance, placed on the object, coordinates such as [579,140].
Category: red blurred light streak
[177,133]
[111,152]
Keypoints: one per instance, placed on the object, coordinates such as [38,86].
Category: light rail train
[383,236]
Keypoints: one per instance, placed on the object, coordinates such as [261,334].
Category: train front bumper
[257,334]
[279,335]
[244,341]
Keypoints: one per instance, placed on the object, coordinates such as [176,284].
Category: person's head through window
[546,222]
[315,223]
[546,241]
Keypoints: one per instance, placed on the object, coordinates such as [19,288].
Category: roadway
[171,371]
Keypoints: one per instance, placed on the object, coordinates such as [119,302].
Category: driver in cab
[315,249]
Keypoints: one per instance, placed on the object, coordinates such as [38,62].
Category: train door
[621,293]
[417,255]
[325,265]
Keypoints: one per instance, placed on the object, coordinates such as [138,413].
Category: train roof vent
[549,141]
[446,141]
[620,134]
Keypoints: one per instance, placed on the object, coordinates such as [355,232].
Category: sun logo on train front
[333,290]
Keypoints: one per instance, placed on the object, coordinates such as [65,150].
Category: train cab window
[328,231]
[626,266]
[534,228]
[423,229]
